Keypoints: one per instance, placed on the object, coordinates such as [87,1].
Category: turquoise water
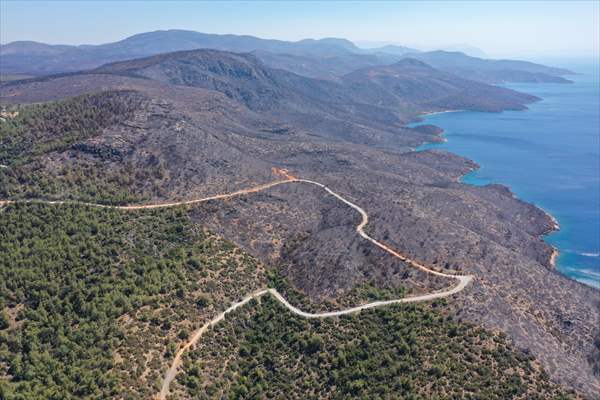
[548,155]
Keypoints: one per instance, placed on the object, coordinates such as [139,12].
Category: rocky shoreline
[431,129]
[542,294]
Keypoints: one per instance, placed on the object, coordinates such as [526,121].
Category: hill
[198,123]
[102,299]
[409,352]
[330,68]
[491,71]
[247,80]
[411,81]
[332,109]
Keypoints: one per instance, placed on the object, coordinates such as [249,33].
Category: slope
[413,82]
[489,70]
[190,133]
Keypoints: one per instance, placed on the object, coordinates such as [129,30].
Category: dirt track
[463,280]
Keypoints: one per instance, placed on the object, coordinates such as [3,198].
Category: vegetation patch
[95,302]
[85,181]
[42,128]
[396,352]
[43,153]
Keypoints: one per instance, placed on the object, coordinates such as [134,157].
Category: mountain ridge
[318,58]
[245,78]
[491,70]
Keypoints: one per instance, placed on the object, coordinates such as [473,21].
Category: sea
[548,155]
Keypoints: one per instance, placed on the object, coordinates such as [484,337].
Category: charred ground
[206,122]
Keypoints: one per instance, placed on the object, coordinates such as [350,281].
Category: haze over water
[548,155]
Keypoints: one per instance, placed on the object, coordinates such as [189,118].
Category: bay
[548,155]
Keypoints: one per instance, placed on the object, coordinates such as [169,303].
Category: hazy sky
[516,28]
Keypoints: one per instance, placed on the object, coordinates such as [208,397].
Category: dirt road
[463,280]
[172,371]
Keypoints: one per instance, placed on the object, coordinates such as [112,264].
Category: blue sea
[548,155]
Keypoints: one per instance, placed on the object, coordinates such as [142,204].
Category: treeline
[87,181]
[92,172]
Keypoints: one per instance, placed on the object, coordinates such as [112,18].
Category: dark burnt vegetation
[38,131]
[42,128]
[359,293]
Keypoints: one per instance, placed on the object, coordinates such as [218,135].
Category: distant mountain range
[492,71]
[327,58]
[410,81]
[464,48]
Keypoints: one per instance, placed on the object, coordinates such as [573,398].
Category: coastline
[554,224]
[550,289]
[553,256]
[427,113]
[554,228]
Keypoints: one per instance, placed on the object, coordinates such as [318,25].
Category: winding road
[463,280]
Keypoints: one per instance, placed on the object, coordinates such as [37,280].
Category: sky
[532,29]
